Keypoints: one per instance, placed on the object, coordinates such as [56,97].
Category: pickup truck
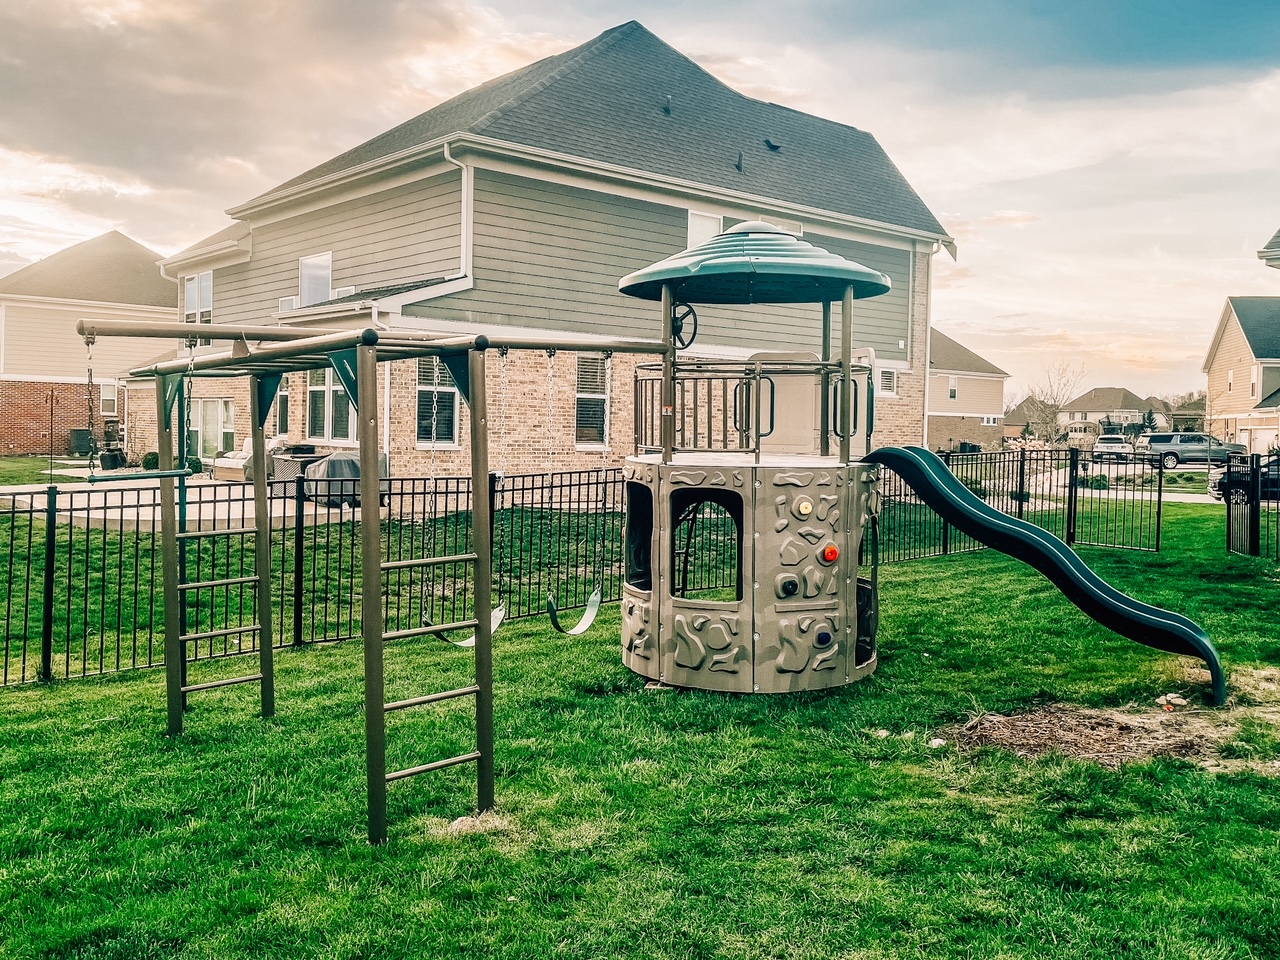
[1112,447]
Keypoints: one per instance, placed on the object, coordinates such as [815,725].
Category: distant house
[517,206]
[1111,410]
[44,368]
[1243,369]
[966,396]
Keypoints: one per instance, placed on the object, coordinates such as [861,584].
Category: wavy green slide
[1164,630]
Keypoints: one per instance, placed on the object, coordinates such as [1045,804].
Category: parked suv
[1235,489]
[1172,449]
[1112,447]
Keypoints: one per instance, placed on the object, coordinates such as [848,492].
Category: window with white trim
[437,404]
[1253,381]
[212,427]
[315,279]
[328,409]
[282,406]
[887,382]
[197,300]
[991,421]
[702,227]
[107,399]
[591,423]
[953,387]
[1231,376]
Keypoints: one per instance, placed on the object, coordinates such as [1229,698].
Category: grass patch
[658,824]
[26,471]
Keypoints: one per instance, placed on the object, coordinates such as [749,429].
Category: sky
[1108,168]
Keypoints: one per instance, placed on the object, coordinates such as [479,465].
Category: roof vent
[666,107]
[775,147]
[738,165]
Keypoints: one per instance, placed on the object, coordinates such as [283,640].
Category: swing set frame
[354,356]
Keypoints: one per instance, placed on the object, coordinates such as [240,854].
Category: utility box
[80,441]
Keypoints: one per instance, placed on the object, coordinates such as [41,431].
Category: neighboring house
[1111,410]
[1243,369]
[1188,415]
[44,368]
[966,396]
[518,205]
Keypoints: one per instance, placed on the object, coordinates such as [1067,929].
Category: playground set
[775,450]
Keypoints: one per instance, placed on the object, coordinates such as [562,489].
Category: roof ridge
[580,56]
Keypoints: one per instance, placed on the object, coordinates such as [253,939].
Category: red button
[830,553]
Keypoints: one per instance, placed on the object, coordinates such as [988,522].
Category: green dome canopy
[755,262]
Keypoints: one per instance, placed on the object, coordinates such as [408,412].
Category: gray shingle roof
[1269,401]
[604,101]
[1102,399]
[1272,248]
[110,268]
[237,230]
[946,354]
[1260,320]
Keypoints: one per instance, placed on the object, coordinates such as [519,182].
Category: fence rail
[1251,488]
[81,593]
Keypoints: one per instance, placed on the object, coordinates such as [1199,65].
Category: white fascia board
[375,176]
[972,375]
[422,294]
[102,307]
[214,257]
[970,413]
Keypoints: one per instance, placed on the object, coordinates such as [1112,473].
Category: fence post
[495,481]
[1255,505]
[1160,500]
[946,527]
[299,525]
[1022,480]
[50,547]
[1073,487]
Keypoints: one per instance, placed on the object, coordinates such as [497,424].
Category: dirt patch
[1115,737]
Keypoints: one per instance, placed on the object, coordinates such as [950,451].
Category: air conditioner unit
[341,292]
[287,304]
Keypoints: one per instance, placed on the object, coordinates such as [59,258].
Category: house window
[197,300]
[593,400]
[328,410]
[1253,381]
[282,407]
[1231,376]
[437,404]
[213,428]
[107,393]
[702,227]
[991,421]
[888,384]
[315,279]
[953,387]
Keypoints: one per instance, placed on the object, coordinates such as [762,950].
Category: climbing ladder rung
[428,767]
[428,561]
[431,698]
[230,531]
[228,632]
[222,683]
[433,629]
[208,584]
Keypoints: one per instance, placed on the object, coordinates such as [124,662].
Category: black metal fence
[1251,489]
[1080,499]
[80,593]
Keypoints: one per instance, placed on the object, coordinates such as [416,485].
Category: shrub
[1019,496]
[195,465]
[978,488]
[1099,481]
[151,461]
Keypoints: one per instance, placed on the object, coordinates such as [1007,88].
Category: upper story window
[282,406]
[953,387]
[702,227]
[592,417]
[107,394]
[1253,381]
[328,409]
[315,279]
[1231,376]
[197,299]
[437,404]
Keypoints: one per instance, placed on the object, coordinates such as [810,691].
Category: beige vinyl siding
[1233,354]
[408,233]
[42,342]
[550,256]
[975,396]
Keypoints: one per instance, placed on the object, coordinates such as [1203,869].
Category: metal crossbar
[431,698]
[210,584]
[251,678]
[214,634]
[200,534]
[428,767]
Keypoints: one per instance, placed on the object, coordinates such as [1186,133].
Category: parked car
[1172,449]
[1112,446]
[1234,488]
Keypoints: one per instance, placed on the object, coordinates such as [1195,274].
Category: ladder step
[229,531]
[206,584]
[229,632]
[222,683]
[428,561]
[433,629]
[431,698]
[428,767]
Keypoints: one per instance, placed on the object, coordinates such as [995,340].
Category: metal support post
[668,403]
[824,441]
[262,548]
[375,727]
[299,554]
[50,578]
[1255,505]
[846,372]
[482,536]
[1073,494]
[174,648]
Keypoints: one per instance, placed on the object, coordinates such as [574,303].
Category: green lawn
[658,824]
[15,471]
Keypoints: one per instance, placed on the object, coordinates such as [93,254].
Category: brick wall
[25,420]
[946,433]
[900,419]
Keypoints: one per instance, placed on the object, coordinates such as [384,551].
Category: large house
[1112,410]
[518,205]
[44,365]
[965,396]
[1243,370]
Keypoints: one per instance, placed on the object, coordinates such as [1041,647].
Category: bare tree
[1057,387]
